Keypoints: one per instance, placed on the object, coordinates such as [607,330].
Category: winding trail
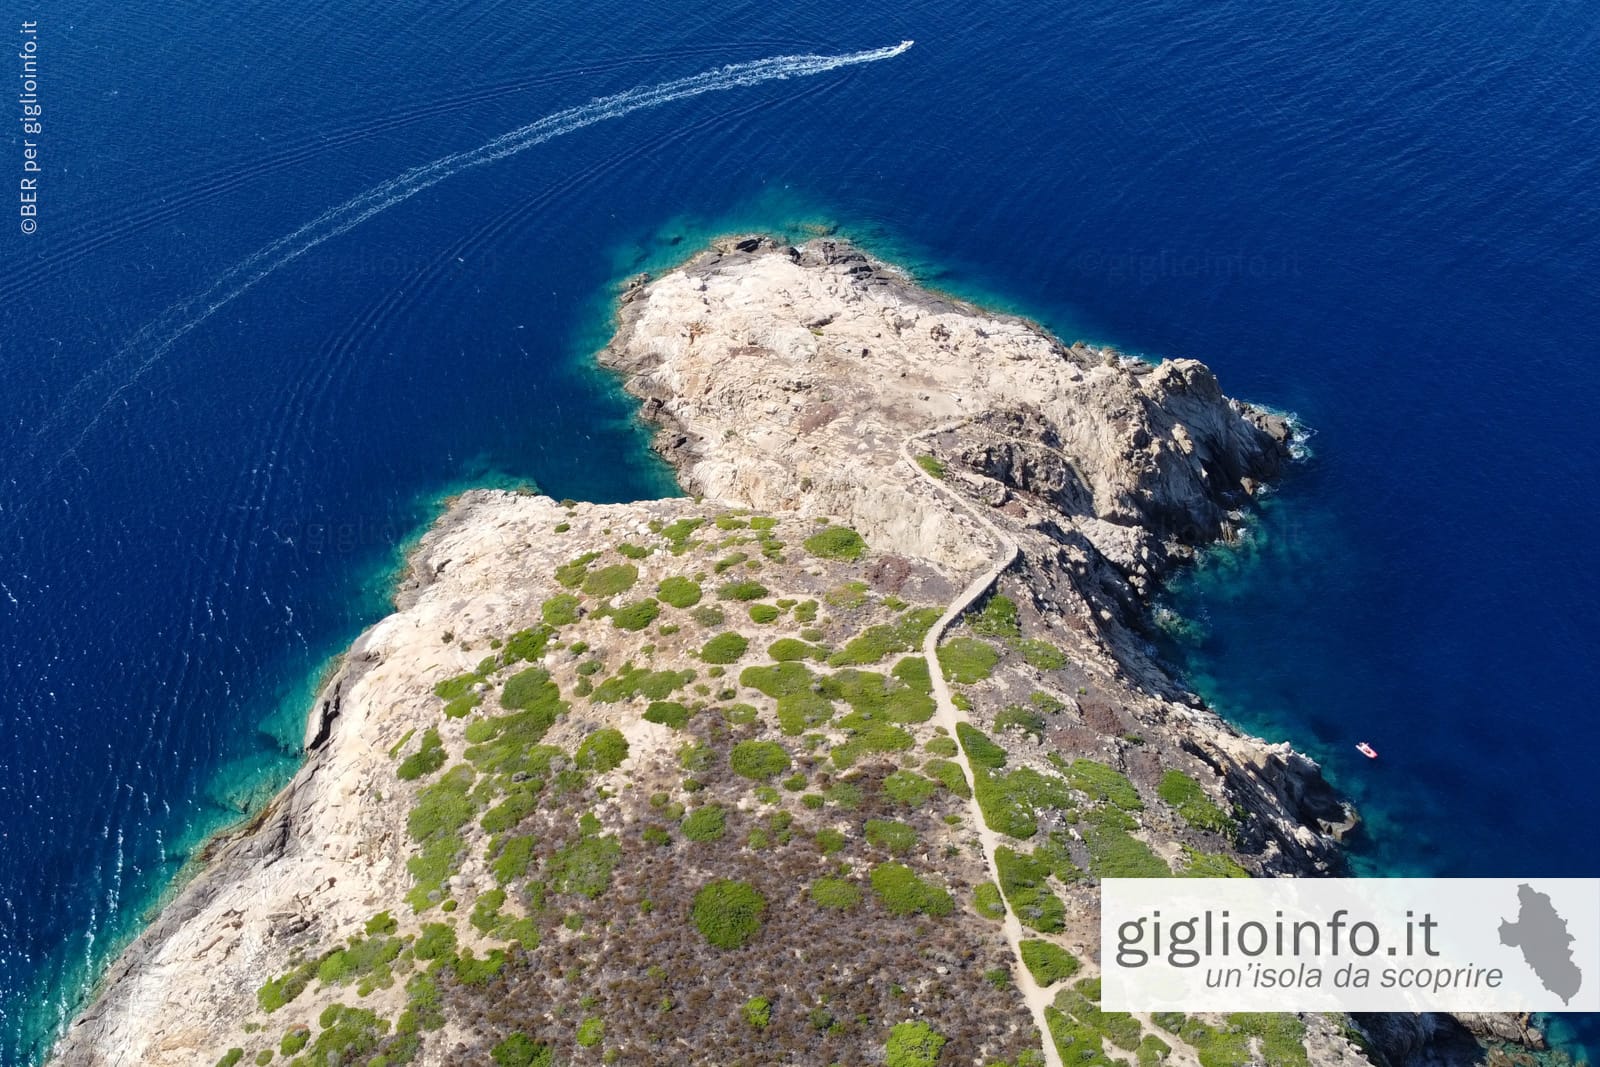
[948,715]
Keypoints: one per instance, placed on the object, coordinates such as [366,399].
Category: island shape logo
[1541,933]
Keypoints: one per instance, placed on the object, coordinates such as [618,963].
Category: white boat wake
[155,340]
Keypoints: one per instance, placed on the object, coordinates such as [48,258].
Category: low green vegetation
[1103,784]
[561,610]
[982,753]
[836,542]
[913,1045]
[932,464]
[1115,853]
[728,913]
[1190,800]
[724,648]
[762,614]
[1048,963]
[836,893]
[757,1011]
[761,761]
[520,1050]
[986,900]
[1041,655]
[967,659]
[706,823]
[905,634]
[633,681]
[999,618]
[429,757]
[636,615]
[679,591]
[602,750]
[610,581]
[891,835]
[1022,880]
[667,713]
[903,893]
[748,589]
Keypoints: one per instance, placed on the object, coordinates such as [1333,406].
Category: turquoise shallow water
[1376,215]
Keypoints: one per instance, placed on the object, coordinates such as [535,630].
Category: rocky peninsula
[818,764]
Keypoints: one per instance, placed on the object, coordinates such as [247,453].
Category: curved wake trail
[155,340]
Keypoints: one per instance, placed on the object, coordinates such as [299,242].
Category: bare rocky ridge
[791,385]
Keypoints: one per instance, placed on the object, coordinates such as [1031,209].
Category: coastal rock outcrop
[675,781]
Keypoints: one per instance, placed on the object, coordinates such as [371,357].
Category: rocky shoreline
[789,385]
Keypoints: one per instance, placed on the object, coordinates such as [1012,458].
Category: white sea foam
[156,339]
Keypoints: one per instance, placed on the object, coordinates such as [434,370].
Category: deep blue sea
[218,426]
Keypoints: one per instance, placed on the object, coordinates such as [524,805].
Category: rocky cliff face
[523,785]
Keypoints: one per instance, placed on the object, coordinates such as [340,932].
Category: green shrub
[707,823]
[638,681]
[635,615]
[1210,865]
[709,615]
[1041,655]
[429,757]
[512,862]
[759,760]
[1186,795]
[948,773]
[967,660]
[740,714]
[835,893]
[1022,880]
[231,1057]
[293,1042]
[609,581]
[913,671]
[724,648]
[1114,853]
[667,713]
[728,913]
[836,542]
[561,610]
[889,834]
[572,574]
[983,753]
[829,840]
[436,941]
[941,746]
[602,750]
[786,649]
[1102,783]
[932,464]
[998,618]
[986,900]
[679,591]
[633,551]
[1048,963]
[275,993]
[584,866]
[519,1050]
[591,1032]
[802,711]
[757,1011]
[876,642]
[762,614]
[913,1045]
[778,680]
[1027,720]
[903,893]
[748,589]
[531,688]
[523,645]
[909,788]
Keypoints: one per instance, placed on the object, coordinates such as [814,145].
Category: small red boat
[1367,750]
